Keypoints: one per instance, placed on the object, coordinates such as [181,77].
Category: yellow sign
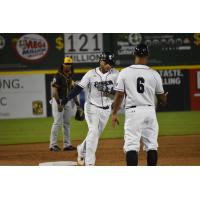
[37,107]
[197,38]
[59,43]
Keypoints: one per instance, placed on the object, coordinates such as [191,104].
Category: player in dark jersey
[61,86]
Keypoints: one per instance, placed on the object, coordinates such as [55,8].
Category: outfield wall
[175,56]
[22,96]
[28,95]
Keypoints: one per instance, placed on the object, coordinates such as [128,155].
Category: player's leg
[81,150]
[58,119]
[150,137]
[66,125]
[132,158]
[92,117]
[152,157]
[132,135]
[103,119]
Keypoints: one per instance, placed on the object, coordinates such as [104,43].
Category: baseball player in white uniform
[100,83]
[139,84]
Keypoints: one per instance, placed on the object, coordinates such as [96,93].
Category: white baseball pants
[61,118]
[140,124]
[96,119]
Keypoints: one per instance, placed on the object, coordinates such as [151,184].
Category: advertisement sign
[195,89]
[198,80]
[22,96]
[38,51]
[83,47]
[165,48]
[176,83]
[2,42]
[32,47]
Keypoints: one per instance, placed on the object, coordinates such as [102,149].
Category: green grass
[179,123]
[17,131]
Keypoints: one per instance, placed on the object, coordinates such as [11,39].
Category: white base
[59,163]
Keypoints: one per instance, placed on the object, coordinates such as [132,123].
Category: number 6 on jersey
[140,85]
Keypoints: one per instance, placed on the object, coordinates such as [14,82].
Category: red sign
[195,89]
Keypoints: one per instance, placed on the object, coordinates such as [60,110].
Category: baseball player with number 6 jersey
[139,84]
[100,83]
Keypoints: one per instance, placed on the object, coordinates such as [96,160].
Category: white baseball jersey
[95,116]
[95,79]
[140,84]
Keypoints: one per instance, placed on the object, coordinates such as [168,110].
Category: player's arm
[162,99]
[77,89]
[119,96]
[161,95]
[113,91]
[120,92]
[55,94]
[55,85]
[75,99]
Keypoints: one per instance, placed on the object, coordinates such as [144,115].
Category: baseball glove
[79,116]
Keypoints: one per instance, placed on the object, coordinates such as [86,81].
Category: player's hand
[79,108]
[115,120]
[64,101]
[166,93]
[60,108]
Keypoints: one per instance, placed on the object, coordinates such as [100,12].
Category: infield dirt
[173,151]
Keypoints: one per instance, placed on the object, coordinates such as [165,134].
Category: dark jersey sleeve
[77,89]
[57,81]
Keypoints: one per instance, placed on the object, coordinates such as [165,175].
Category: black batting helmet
[107,57]
[141,50]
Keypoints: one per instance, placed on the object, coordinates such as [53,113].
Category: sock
[132,158]
[152,158]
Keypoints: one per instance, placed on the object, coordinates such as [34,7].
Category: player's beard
[67,70]
[105,69]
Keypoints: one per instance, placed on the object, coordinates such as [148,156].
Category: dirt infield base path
[173,151]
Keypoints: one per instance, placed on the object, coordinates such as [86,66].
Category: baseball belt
[104,107]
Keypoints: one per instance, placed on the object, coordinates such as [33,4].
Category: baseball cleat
[80,158]
[69,148]
[80,161]
[55,148]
